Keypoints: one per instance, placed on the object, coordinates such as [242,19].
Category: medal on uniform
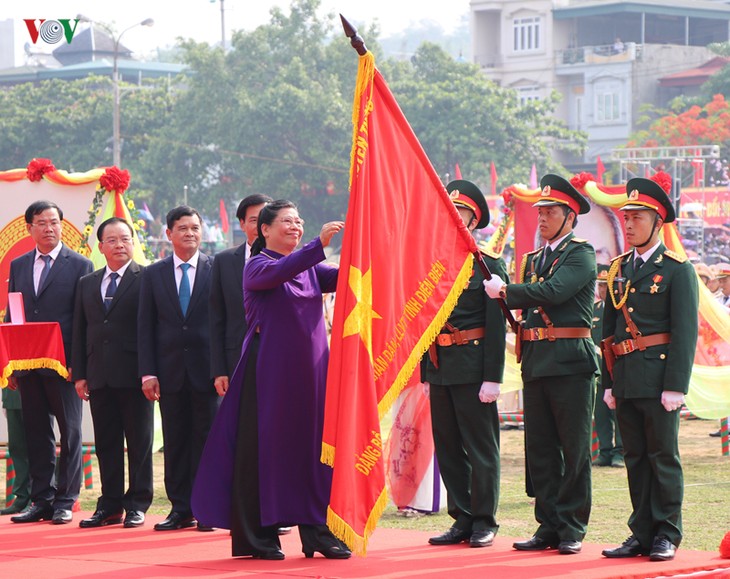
[656,279]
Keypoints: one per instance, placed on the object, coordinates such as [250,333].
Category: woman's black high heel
[330,552]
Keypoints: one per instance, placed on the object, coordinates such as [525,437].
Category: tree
[462,117]
[707,124]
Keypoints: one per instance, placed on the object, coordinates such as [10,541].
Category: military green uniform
[17,447]
[465,430]
[558,385]
[604,417]
[662,298]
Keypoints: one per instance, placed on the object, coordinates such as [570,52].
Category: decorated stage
[43,550]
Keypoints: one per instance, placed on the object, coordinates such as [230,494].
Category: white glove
[489,392]
[609,399]
[426,389]
[672,400]
[492,286]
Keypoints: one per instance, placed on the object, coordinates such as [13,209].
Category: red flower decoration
[39,167]
[115,179]
[725,546]
[664,180]
[579,181]
[506,197]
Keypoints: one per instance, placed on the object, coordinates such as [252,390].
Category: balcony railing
[599,54]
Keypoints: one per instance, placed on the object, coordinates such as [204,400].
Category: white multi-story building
[604,56]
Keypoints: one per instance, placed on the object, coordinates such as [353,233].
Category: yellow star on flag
[360,319]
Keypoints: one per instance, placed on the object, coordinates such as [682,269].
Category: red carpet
[46,551]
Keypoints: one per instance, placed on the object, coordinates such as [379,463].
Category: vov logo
[51,31]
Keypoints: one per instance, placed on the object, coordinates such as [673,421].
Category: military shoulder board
[675,256]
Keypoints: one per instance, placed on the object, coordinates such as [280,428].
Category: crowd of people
[242,431]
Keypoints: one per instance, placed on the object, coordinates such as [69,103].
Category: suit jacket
[227,317]
[172,345]
[105,343]
[663,297]
[565,288]
[57,298]
[479,360]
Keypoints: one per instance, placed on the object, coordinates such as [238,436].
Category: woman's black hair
[267,216]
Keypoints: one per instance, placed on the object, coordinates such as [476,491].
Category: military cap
[559,191]
[703,270]
[722,270]
[651,193]
[602,276]
[465,194]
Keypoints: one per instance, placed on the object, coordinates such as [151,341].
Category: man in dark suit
[174,357]
[227,318]
[652,325]
[105,369]
[555,291]
[47,278]
[464,370]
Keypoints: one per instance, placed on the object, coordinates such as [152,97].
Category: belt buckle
[627,346]
[536,334]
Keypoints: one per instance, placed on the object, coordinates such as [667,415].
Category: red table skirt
[31,346]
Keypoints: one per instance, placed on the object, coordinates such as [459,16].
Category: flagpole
[502,304]
[356,40]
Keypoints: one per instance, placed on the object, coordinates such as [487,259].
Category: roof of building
[91,40]
[103,67]
[695,76]
[696,8]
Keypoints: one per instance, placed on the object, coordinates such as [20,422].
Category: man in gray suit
[47,277]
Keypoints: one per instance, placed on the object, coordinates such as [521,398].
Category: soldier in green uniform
[463,370]
[18,451]
[555,294]
[610,448]
[652,323]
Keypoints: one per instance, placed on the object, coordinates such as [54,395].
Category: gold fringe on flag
[328,454]
[365,75]
[427,338]
[357,543]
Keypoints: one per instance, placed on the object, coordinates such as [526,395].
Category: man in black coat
[105,370]
[47,277]
[174,357]
[227,318]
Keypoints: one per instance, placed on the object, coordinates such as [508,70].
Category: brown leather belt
[538,334]
[642,342]
[459,337]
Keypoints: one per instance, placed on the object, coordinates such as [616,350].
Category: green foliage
[462,117]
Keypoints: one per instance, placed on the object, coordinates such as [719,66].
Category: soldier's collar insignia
[659,258]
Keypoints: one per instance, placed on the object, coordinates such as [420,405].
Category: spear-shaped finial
[356,40]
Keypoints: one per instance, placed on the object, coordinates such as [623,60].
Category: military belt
[459,337]
[640,343]
[553,333]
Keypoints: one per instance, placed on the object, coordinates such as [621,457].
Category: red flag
[396,289]
[493,175]
[225,226]
[600,169]
[457,172]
